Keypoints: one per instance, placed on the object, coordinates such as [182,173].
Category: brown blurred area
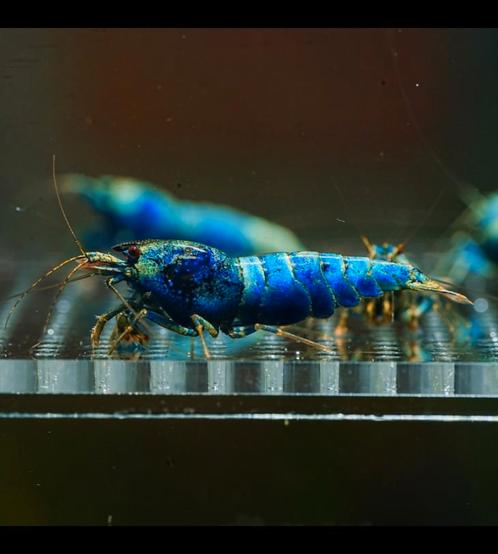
[307,127]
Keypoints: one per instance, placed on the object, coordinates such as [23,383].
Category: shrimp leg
[243,331]
[342,327]
[141,314]
[101,322]
[202,324]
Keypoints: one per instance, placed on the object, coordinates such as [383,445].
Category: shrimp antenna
[49,287]
[60,289]
[59,200]
[62,264]
[458,291]
[426,217]
[466,191]
[486,294]
[37,282]
[462,185]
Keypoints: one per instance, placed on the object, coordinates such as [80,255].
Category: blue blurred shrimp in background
[474,249]
[136,210]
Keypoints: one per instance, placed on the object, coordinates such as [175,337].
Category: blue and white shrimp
[134,210]
[190,288]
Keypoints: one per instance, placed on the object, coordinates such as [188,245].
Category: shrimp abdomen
[271,294]
[283,288]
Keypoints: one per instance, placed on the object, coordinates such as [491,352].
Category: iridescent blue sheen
[181,282]
[358,273]
[307,270]
[284,298]
[254,279]
[189,278]
[390,276]
[333,269]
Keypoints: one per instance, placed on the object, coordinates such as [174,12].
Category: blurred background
[331,132]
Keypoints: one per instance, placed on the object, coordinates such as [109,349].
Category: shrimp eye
[134,252]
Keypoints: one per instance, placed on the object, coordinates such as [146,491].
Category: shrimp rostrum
[190,288]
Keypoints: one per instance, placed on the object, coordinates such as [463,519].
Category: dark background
[306,127]
[151,470]
[271,121]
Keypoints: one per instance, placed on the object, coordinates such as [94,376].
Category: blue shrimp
[133,210]
[409,309]
[401,305]
[190,288]
[475,245]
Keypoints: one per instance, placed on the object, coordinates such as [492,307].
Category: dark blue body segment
[390,276]
[284,298]
[189,278]
[333,269]
[307,270]
[254,280]
[358,273]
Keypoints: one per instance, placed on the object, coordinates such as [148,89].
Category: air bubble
[481,305]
